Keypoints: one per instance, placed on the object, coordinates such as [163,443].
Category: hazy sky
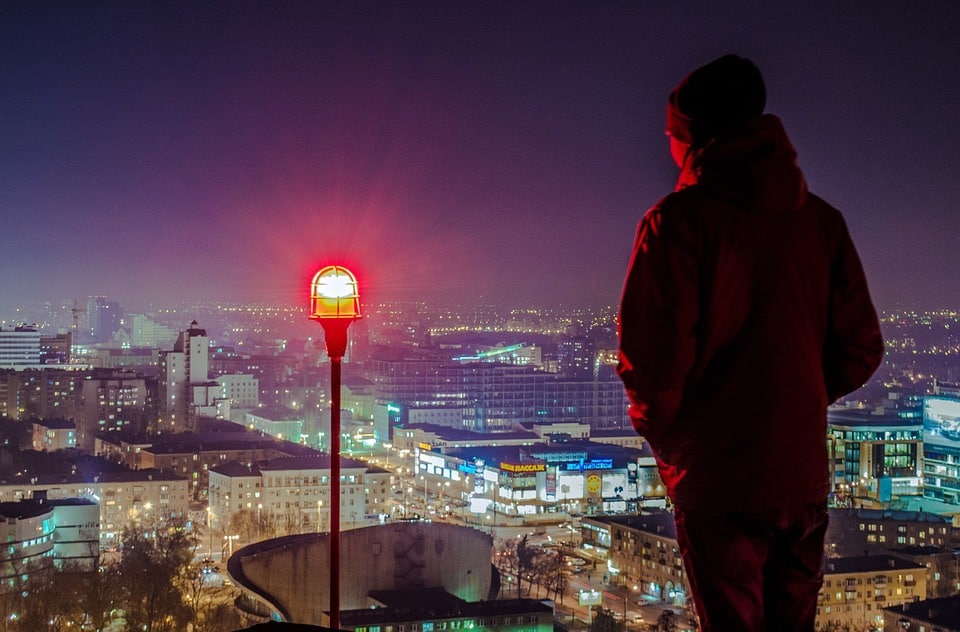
[463,151]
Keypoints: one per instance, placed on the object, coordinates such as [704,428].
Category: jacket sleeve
[659,311]
[853,348]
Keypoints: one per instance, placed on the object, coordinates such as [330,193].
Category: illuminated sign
[590,597]
[425,446]
[593,464]
[523,467]
[593,483]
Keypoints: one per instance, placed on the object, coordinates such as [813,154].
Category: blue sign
[593,464]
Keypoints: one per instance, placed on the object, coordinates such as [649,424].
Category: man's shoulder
[679,203]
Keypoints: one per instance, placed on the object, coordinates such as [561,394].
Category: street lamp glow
[334,294]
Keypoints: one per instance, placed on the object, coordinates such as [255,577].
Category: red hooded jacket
[745,312]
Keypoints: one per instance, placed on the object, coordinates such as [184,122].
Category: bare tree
[151,568]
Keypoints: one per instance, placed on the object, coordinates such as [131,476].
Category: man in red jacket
[745,313]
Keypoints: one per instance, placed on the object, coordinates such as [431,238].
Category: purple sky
[481,151]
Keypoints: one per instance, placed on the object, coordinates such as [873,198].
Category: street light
[335,303]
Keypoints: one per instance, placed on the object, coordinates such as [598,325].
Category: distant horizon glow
[163,155]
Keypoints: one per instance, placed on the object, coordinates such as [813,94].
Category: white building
[295,492]
[34,533]
[282,424]
[146,332]
[184,374]
[19,347]
[50,435]
[242,390]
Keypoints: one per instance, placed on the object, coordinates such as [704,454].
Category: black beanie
[715,97]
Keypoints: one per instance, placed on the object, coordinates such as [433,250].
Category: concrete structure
[51,435]
[289,575]
[857,589]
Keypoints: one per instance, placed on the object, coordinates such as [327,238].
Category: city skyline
[459,153]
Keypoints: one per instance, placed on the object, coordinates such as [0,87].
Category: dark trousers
[754,572]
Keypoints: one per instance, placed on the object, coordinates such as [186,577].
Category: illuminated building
[125,498]
[56,349]
[35,533]
[111,401]
[493,397]
[435,610]
[857,589]
[941,444]
[282,424]
[40,392]
[50,435]
[146,332]
[573,476]
[855,531]
[877,457]
[642,552]
[294,492]
[191,455]
[19,347]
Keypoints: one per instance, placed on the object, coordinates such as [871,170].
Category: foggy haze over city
[461,153]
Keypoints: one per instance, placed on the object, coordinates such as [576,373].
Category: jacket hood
[754,166]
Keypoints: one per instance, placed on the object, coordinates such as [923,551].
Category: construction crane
[77,310]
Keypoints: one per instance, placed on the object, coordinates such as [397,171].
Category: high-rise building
[19,347]
[56,349]
[47,393]
[184,374]
[146,332]
[103,318]
[111,401]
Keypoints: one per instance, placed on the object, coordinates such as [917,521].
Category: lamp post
[335,303]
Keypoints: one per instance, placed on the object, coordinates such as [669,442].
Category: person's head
[713,98]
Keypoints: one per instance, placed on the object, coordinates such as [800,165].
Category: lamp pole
[335,303]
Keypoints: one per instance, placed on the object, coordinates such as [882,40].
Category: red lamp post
[335,303]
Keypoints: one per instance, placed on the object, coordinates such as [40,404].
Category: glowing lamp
[335,303]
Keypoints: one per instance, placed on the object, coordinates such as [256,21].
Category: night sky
[465,152]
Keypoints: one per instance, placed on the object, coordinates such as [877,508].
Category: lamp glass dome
[334,294]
